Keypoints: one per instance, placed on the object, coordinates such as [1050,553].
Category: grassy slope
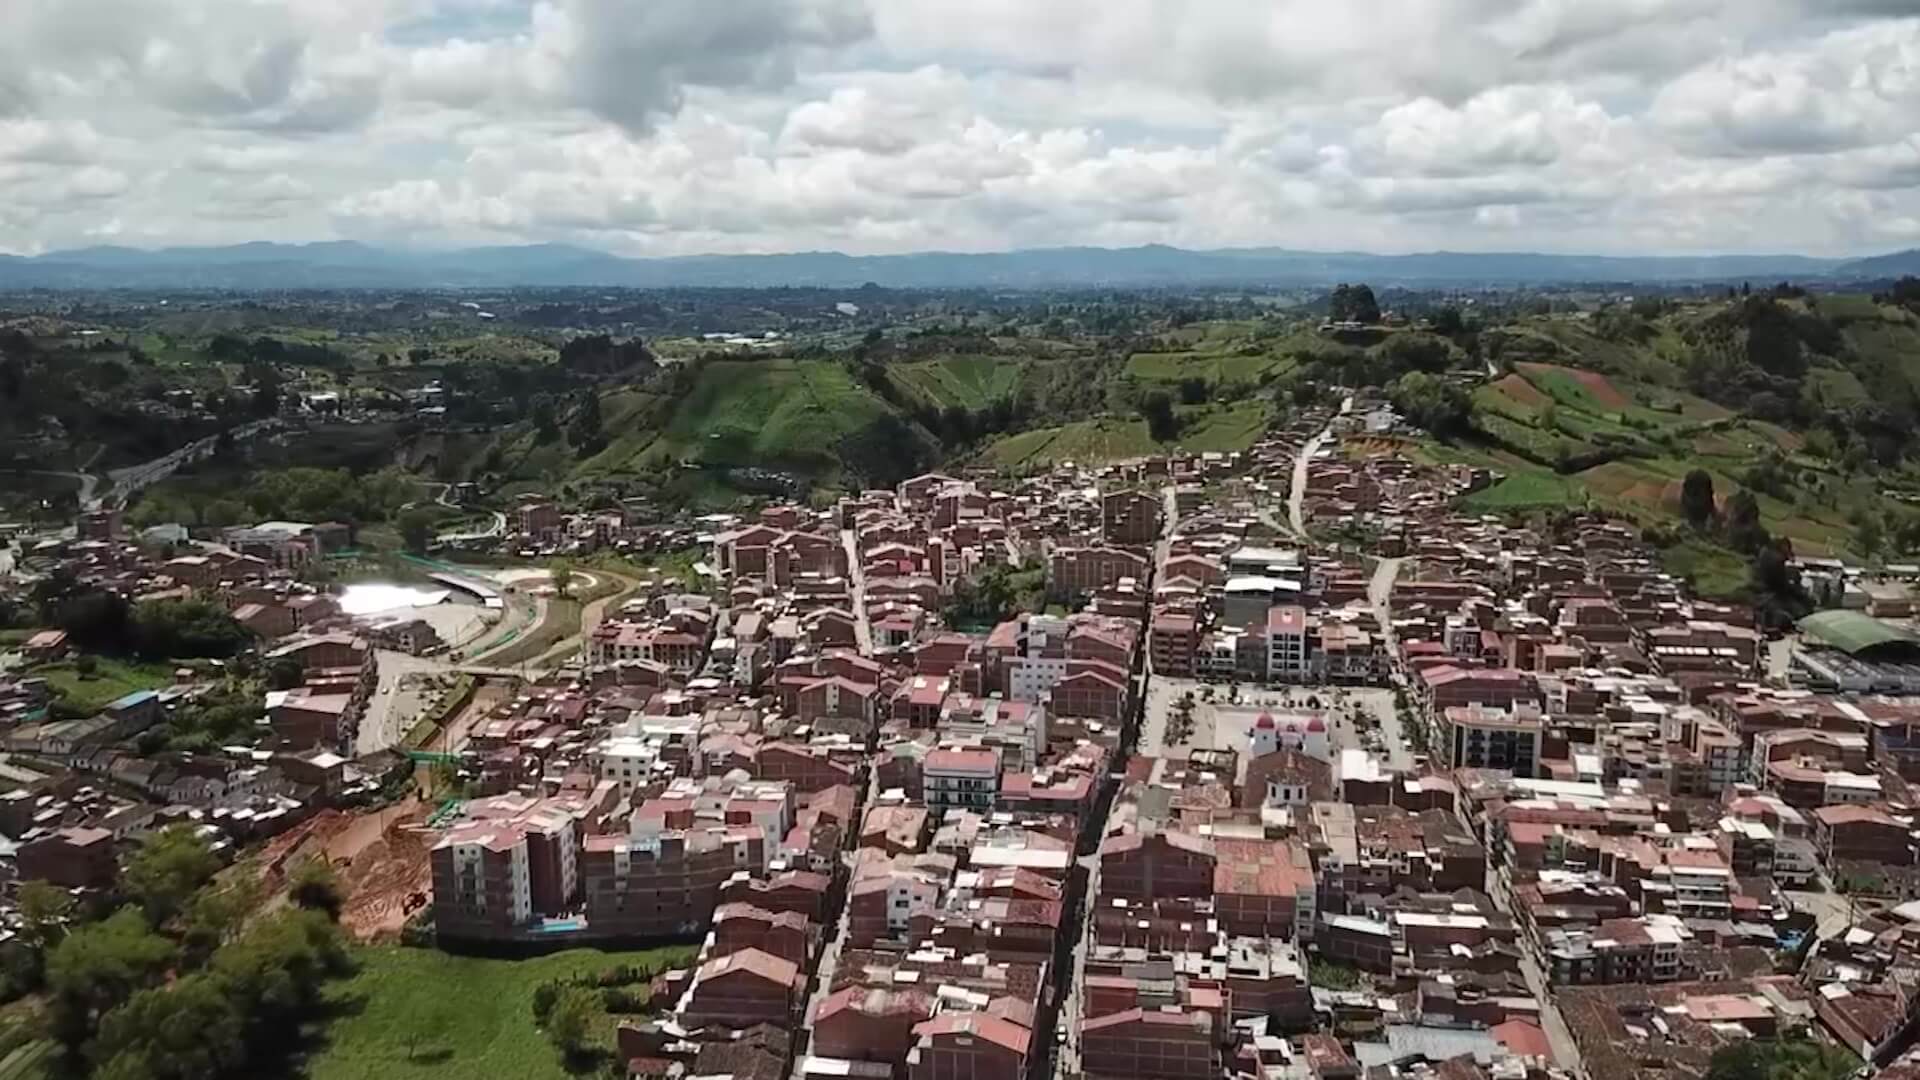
[1204,428]
[1542,408]
[1715,571]
[776,414]
[421,1014]
[112,679]
[971,382]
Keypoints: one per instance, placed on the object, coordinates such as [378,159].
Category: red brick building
[1082,570]
[1157,1045]
[969,1046]
[742,989]
[1144,866]
[808,768]
[76,858]
[788,935]
[865,1023]
[659,889]
[1092,690]
[1864,833]
[1130,517]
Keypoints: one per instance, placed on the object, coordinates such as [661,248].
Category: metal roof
[1853,632]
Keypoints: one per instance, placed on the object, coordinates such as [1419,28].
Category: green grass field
[421,1014]
[1215,367]
[1715,571]
[1224,428]
[112,679]
[971,382]
[1105,439]
[772,413]
[1520,491]
[1204,428]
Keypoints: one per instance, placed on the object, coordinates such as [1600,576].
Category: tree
[186,1031]
[1790,1056]
[316,887]
[585,433]
[1157,408]
[562,573]
[1193,390]
[100,965]
[284,673]
[212,917]
[1744,532]
[186,628]
[85,665]
[416,529]
[1696,498]
[1869,535]
[167,870]
[1433,403]
[44,911]
[1416,352]
[570,1021]
[93,619]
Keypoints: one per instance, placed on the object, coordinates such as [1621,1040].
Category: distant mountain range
[347,265]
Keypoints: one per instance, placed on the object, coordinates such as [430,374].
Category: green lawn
[112,679]
[1715,571]
[1525,491]
[421,1014]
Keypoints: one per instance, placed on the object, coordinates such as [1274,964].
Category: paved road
[1559,1037]
[862,628]
[124,482]
[1297,495]
[396,701]
[836,943]
[1832,912]
[1066,1062]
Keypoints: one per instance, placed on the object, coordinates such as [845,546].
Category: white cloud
[677,126]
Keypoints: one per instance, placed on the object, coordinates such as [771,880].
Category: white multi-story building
[1041,661]
[960,779]
[1288,659]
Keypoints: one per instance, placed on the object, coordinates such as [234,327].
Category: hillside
[1809,405]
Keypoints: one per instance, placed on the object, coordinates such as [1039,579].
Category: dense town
[1266,764]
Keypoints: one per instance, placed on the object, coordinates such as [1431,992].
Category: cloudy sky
[658,127]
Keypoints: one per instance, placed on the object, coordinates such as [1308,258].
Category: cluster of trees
[1441,407]
[91,394]
[887,450]
[1776,591]
[298,493]
[995,594]
[103,621]
[222,716]
[1759,355]
[1163,424]
[170,979]
[599,354]
[1793,1055]
[568,1009]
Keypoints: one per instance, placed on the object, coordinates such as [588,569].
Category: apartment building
[1479,737]
[960,779]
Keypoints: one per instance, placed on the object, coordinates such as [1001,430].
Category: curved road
[1297,494]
